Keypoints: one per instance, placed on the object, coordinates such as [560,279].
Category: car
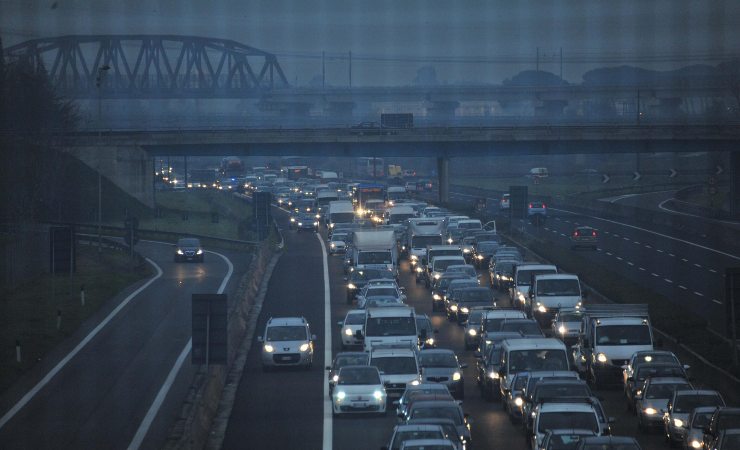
[635,383]
[428,444]
[440,287]
[564,439]
[287,341]
[414,391]
[584,237]
[357,280]
[647,357]
[488,363]
[537,212]
[353,321]
[698,422]
[652,400]
[558,415]
[567,325]
[464,299]
[514,400]
[724,418]
[442,366]
[426,331]
[189,249]
[679,408]
[409,432]
[608,443]
[505,202]
[728,439]
[337,244]
[448,425]
[307,222]
[484,251]
[388,290]
[501,272]
[451,292]
[533,378]
[442,409]
[359,389]
[472,325]
[399,367]
[548,391]
[342,359]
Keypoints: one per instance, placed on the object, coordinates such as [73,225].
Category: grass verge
[29,313]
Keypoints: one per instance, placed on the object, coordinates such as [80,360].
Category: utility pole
[323,70]
[638,106]
[350,69]
[98,83]
[561,63]
[537,60]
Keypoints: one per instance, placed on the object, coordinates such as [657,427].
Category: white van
[539,172]
[390,325]
[530,354]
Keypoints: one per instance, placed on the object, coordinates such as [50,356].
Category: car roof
[285,321]
[428,351]
[556,276]
[427,442]
[556,406]
[504,313]
[667,380]
[392,352]
[416,427]
[609,440]
[358,353]
[689,392]
[534,343]
[436,403]
[358,367]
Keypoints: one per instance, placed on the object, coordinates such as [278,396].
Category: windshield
[519,383]
[441,264]
[438,412]
[504,267]
[422,241]
[403,436]
[395,365]
[475,317]
[567,419]
[553,288]
[437,360]
[566,441]
[467,270]
[399,218]
[287,333]
[383,257]
[549,391]
[354,319]
[527,328]
[381,292]
[345,217]
[539,359]
[494,324]
[475,296]
[390,326]
[650,371]
[664,390]
[524,277]
[364,375]
[623,335]
[339,237]
[687,403]
[487,247]
[701,420]
[371,274]
[351,360]
[476,225]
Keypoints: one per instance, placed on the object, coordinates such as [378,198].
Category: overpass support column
[443,174]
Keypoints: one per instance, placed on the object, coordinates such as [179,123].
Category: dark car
[189,249]
[585,237]
[724,418]
[467,298]
[307,222]
[608,443]
[358,279]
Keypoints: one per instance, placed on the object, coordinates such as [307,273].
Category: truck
[232,167]
[202,178]
[610,335]
[420,233]
[397,120]
[552,292]
[369,191]
[375,248]
[389,325]
[395,193]
[397,215]
[340,211]
[395,171]
[324,198]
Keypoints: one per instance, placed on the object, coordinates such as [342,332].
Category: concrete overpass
[442,143]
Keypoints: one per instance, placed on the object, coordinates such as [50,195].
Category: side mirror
[686,367]
[358,334]
[464,365]
[313,337]
[260,339]
[340,324]
[328,367]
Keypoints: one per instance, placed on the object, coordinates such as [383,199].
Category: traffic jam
[527,336]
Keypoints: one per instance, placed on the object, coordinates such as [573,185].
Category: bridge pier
[735,184]
[443,179]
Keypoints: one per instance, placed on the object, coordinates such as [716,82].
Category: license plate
[285,358]
[359,404]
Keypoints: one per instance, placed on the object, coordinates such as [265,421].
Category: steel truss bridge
[151,66]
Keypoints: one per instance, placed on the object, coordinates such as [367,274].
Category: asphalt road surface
[101,395]
[284,409]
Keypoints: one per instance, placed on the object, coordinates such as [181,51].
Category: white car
[287,342]
[353,322]
[359,389]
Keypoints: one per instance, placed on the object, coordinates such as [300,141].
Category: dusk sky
[298,31]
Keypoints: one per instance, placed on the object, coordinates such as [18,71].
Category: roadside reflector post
[82,295]
[59,319]
[17,350]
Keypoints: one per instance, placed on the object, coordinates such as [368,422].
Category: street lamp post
[98,83]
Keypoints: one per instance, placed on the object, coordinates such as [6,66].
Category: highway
[97,389]
[284,409]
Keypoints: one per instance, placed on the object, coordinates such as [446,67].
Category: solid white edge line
[153,410]
[729,255]
[60,365]
[328,433]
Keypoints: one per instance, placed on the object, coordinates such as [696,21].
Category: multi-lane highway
[117,382]
[285,409]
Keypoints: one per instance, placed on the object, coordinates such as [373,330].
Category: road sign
[673,173]
[210,326]
[636,176]
[518,202]
[481,204]
[132,227]
[605,178]
[262,213]
[62,255]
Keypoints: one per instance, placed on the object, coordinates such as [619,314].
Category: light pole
[102,70]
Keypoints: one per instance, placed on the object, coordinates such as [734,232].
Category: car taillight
[575,233]
[593,234]
[543,206]
[530,205]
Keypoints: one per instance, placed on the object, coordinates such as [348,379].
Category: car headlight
[449,240]
[601,358]
[494,375]
[464,310]
[650,411]
[472,332]
[351,286]
[300,224]
[695,444]
[453,308]
[542,309]
[269,348]
[331,225]
[429,341]
[315,224]
[456,376]
[466,250]
[292,219]
[304,347]
[479,257]
[414,257]
[199,252]
[179,252]
[378,395]
[414,383]
[436,297]
[437,276]
[562,329]
[518,401]
[340,396]
[419,270]
[638,393]
[333,245]
[318,216]
[521,297]
[335,378]
[678,423]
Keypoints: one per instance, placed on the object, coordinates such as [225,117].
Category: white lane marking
[684,260]
[699,294]
[667,280]
[547,229]
[328,422]
[712,270]
[630,263]
[697,265]
[609,253]
[151,414]
[682,287]
[703,247]
[636,242]
[654,274]
[60,365]
[716,301]
[562,234]
[605,231]
[599,249]
[647,246]
[659,251]
[615,235]
[641,268]
[673,211]
[626,238]
[619,258]
[671,254]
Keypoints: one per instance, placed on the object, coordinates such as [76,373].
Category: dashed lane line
[716,301]
[699,294]
[697,265]
[683,287]
[667,280]
[328,431]
[641,268]
[630,263]
[654,274]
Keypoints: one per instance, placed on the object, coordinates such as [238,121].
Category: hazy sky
[425,29]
